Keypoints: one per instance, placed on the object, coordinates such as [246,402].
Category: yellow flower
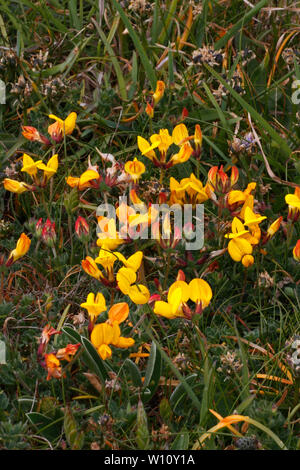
[178,294]
[198,137]
[107,259]
[183,155]
[104,335]
[133,262]
[251,218]
[200,292]
[138,293]
[236,197]
[51,168]
[188,191]
[85,180]
[29,165]
[61,127]
[238,246]
[272,229]
[135,168]
[145,148]
[15,186]
[22,247]
[180,135]
[94,306]
[293,201]
[162,142]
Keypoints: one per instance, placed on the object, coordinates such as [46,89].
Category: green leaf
[98,366]
[134,372]
[184,381]
[74,438]
[90,355]
[47,427]
[207,377]
[142,432]
[181,442]
[180,393]
[153,370]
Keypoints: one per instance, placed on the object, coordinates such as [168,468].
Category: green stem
[71,237]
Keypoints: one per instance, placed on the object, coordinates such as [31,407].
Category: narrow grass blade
[138,45]
[113,58]
[240,24]
[254,114]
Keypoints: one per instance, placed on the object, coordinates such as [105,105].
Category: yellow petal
[200,291]
[238,247]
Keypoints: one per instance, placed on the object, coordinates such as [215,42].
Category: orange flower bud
[82,229]
[31,133]
[91,268]
[234,175]
[296,251]
[198,136]
[159,92]
[149,110]
[53,366]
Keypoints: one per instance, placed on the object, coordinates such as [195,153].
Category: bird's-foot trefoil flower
[158,148]
[30,166]
[48,233]
[220,181]
[179,293]
[94,305]
[296,251]
[17,187]
[126,279]
[239,244]
[135,168]
[105,335]
[53,366]
[293,201]
[22,247]
[159,91]
[50,169]
[62,127]
[272,229]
